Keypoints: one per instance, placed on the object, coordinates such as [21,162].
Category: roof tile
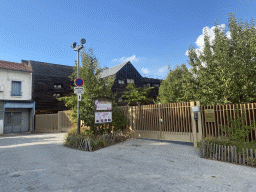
[14,66]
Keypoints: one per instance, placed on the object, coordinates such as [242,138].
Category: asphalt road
[39,162]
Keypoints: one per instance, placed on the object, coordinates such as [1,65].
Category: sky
[151,34]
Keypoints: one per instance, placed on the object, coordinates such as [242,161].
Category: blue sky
[151,34]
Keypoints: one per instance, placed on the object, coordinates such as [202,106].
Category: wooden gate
[171,121]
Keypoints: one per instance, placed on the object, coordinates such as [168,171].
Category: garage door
[12,122]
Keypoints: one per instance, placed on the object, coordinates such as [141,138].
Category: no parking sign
[79,82]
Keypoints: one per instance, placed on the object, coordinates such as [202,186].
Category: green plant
[236,130]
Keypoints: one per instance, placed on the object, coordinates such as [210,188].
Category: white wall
[6,78]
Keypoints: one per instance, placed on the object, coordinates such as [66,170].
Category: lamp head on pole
[83,41]
[73,45]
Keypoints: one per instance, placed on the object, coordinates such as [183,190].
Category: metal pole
[78,102]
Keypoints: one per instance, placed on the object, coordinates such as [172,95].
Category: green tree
[225,70]
[94,86]
[179,86]
[137,95]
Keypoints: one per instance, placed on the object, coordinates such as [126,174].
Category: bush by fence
[88,142]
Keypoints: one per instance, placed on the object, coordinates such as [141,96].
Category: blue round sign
[79,82]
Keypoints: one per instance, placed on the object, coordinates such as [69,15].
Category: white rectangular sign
[79,90]
[103,117]
[103,105]
[79,97]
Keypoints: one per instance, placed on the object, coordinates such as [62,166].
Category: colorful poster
[209,115]
[103,105]
[103,117]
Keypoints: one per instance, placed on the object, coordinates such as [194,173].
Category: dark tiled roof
[14,66]
[49,69]
[113,70]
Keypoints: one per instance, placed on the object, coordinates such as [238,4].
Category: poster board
[102,111]
[209,115]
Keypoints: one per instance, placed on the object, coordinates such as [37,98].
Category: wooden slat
[250,121]
[175,117]
[186,118]
[228,154]
[225,153]
[246,122]
[219,152]
[169,118]
[217,119]
[181,118]
[214,123]
[223,117]
[211,126]
[254,120]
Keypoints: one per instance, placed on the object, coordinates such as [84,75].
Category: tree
[94,86]
[225,70]
[179,86]
[137,95]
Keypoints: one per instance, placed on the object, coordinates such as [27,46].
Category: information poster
[209,115]
[103,117]
[103,105]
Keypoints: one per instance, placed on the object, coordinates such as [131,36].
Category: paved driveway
[39,162]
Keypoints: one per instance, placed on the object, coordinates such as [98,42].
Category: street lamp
[78,48]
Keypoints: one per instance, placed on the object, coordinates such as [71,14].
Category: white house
[17,109]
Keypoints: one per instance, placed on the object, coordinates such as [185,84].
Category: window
[16,88]
[130,80]
[156,85]
[57,86]
[57,95]
[121,81]
[120,99]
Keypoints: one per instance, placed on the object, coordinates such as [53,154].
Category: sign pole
[81,81]
[78,101]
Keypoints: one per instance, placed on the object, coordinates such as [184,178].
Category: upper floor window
[120,99]
[57,95]
[57,86]
[121,81]
[130,80]
[16,88]
[156,85]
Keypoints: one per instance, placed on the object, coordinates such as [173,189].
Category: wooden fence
[53,123]
[214,128]
[175,121]
[228,154]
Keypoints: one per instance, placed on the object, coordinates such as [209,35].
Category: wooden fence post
[130,118]
[59,121]
[199,123]
[160,122]
[193,124]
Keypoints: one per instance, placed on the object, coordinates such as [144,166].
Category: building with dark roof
[126,73]
[51,81]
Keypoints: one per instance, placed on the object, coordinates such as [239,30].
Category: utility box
[195,110]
